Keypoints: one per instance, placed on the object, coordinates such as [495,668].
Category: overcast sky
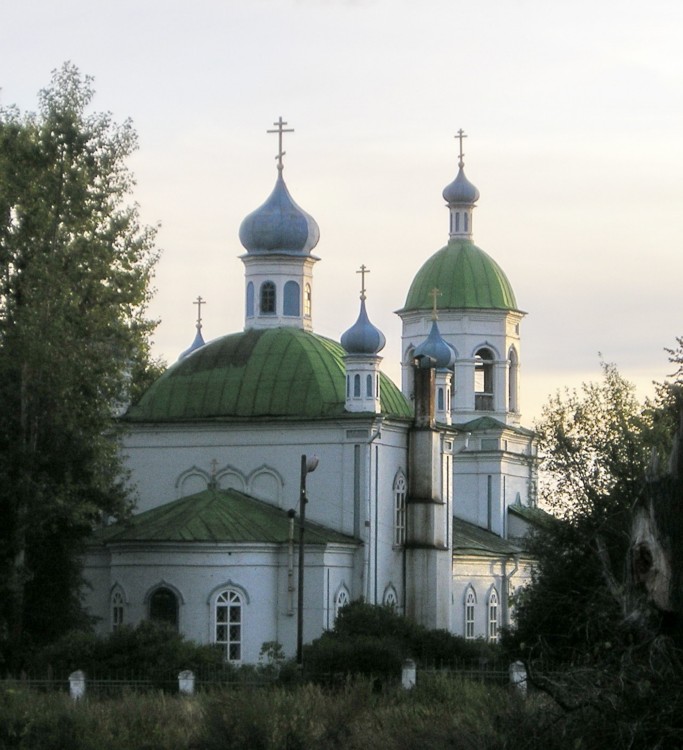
[574,116]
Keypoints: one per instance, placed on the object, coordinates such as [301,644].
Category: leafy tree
[75,271]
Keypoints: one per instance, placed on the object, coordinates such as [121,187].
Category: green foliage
[375,640]
[149,648]
[75,271]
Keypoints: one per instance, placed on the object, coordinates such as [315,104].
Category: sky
[573,112]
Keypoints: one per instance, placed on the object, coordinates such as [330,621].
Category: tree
[596,446]
[75,272]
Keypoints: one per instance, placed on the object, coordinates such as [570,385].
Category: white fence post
[518,677]
[409,675]
[77,684]
[186,682]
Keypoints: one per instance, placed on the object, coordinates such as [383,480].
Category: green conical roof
[466,277]
[277,373]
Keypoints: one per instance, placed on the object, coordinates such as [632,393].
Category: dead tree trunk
[656,549]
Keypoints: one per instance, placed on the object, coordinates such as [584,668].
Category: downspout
[507,577]
[290,563]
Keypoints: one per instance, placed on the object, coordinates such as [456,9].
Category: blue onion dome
[279,225]
[461,190]
[363,337]
[196,344]
[440,354]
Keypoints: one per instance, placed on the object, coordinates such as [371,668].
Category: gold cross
[362,272]
[199,302]
[280,129]
[460,136]
[434,294]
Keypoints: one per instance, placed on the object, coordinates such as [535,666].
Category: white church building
[422,494]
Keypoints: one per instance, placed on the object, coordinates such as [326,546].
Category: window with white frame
[493,616]
[390,599]
[228,613]
[341,600]
[117,610]
[400,491]
[470,605]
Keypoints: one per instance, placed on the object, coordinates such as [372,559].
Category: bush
[149,648]
[374,640]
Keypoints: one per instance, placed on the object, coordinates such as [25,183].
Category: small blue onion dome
[434,351]
[363,337]
[461,190]
[279,225]
[196,344]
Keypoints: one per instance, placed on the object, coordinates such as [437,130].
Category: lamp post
[307,466]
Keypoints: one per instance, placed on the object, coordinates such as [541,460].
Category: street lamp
[307,466]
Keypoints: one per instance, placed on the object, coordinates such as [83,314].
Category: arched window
[268,298]
[307,301]
[341,600]
[368,386]
[513,375]
[493,616]
[470,605]
[390,599]
[117,603]
[356,386]
[163,607]
[483,380]
[291,299]
[228,633]
[250,300]
[439,399]
[457,221]
[465,217]
[400,491]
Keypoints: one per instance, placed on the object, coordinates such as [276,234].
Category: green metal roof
[469,539]
[482,424]
[466,277]
[535,516]
[215,516]
[277,372]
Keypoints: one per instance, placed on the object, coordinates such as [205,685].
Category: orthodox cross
[199,302]
[362,272]
[460,136]
[280,129]
[434,294]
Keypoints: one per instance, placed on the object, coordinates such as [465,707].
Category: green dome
[276,372]
[466,277]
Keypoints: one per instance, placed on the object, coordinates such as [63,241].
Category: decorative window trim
[400,492]
[470,606]
[268,298]
[493,617]
[117,607]
[341,599]
[176,595]
[227,622]
[390,597]
[194,471]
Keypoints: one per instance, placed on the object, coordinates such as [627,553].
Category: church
[281,474]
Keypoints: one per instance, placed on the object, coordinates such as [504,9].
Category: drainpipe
[507,577]
[291,513]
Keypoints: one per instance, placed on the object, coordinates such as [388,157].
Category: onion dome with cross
[198,339]
[279,225]
[465,274]
[363,337]
[434,352]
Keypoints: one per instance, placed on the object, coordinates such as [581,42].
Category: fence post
[77,684]
[186,682]
[409,675]
[518,677]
